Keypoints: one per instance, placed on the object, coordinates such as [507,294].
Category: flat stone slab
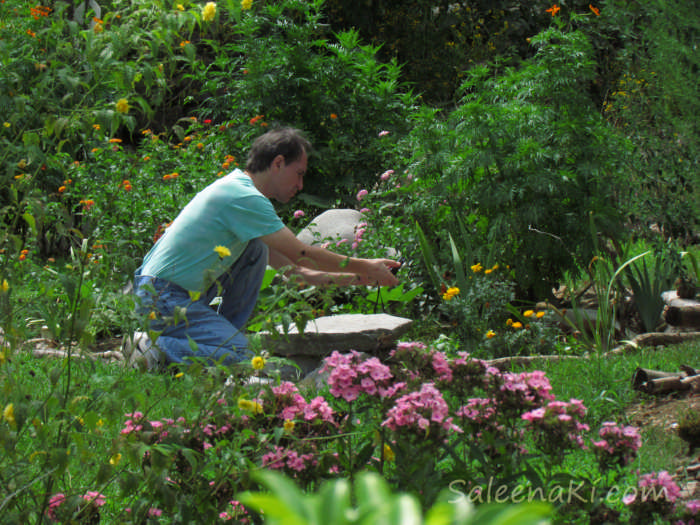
[345,332]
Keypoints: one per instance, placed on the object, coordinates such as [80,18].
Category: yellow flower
[388,453]
[180,7]
[528,313]
[4,286]
[509,322]
[250,406]
[114,460]
[179,375]
[209,11]
[258,363]
[539,315]
[476,268]
[288,425]
[246,4]
[122,105]
[8,414]
[222,251]
[450,293]
[517,325]
[490,334]
[6,124]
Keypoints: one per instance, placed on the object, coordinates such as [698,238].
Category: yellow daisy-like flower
[180,7]
[209,11]
[388,453]
[246,4]
[528,313]
[114,460]
[222,251]
[450,293]
[476,268]
[122,105]
[490,334]
[539,315]
[8,414]
[288,425]
[258,363]
[517,325]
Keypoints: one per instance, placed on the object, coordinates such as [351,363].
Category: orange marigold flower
[87,204]
[31,33]
[255,119]
[595,10]
[115,141]
[333,116]
[61,189]
[553,10]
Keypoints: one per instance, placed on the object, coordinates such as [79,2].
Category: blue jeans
[202,332]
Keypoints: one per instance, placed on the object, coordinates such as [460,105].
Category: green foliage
[522,160]
[374,503]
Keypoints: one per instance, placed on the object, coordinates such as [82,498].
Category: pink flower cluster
[524,388]
[351,376]
[619,443]
[418,410]
[237,512]
[478,410]
[282,457]
[658,487]
[93,498]
[559,419]
[360,230]
[293,405]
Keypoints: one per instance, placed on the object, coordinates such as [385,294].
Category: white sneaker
[144,355]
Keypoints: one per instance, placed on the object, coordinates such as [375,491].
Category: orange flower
[61,189]
[115,141]
[554,9]
[87,204]
[333,116]
[127,185]
[255,119]
[595,10]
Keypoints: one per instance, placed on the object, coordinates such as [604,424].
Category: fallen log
[687,315]
[662,385]
[654,339]
[643,375]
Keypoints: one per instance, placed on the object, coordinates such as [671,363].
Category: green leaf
[334,502]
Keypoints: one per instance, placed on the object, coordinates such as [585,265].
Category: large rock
[333,225]
[361,332]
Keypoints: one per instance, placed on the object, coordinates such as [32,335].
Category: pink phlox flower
[361,194]
[477,409]
[411,410]
[154,512]
[364,210]
[386,175]
[383,133]
[95,497]
[299,214]
[441,367]
[54,502]
[692,506]
[318,408]
[659,480]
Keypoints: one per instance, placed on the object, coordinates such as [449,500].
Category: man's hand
[378,272]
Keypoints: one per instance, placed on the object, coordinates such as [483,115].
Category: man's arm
[316,265]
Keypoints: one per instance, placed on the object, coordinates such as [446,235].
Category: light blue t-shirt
[229,213]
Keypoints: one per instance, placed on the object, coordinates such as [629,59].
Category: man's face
[290,179]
